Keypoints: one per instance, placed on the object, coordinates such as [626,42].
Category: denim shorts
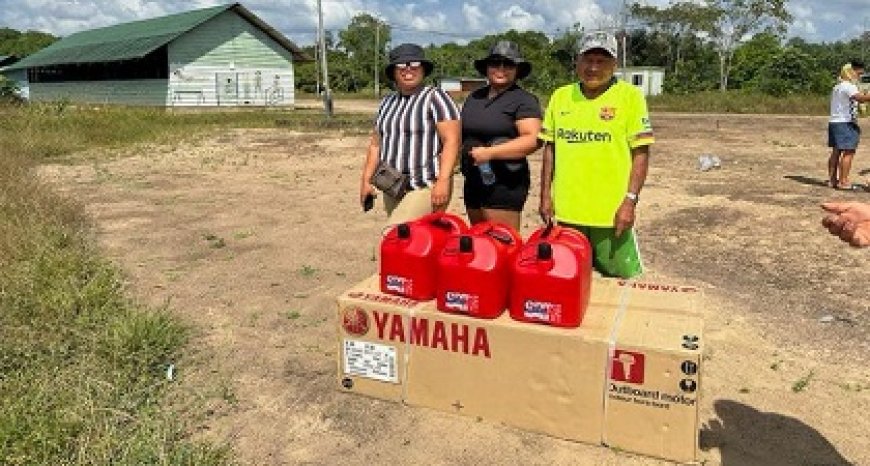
[844,136]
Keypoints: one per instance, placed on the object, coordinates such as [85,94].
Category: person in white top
[843,129]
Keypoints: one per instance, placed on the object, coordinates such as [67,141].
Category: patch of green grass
[854,387]
[53,131]
[293,315]
[783,144]
[243,234]
[307,271]
[802,383]
[229,395]
[82,368]
[214,241]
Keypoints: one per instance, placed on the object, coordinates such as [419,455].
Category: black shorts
[500,195]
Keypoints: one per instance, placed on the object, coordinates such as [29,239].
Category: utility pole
[377,54]
[865,36]
[327,93]
[317,63]
[624,32]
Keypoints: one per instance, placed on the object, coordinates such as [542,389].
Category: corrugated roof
[139,38]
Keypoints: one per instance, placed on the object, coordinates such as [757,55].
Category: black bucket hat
[509,50]
[407,53]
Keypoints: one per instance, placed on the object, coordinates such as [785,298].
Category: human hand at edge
[850,221]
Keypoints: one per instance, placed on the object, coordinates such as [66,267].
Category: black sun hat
[407,53]
[509,50]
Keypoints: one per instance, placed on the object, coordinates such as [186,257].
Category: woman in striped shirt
[417,132]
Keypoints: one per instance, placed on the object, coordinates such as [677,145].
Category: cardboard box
[628,377]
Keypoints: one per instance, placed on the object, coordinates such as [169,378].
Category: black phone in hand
[368,202]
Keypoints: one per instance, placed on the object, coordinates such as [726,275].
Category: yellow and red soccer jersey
[593,141]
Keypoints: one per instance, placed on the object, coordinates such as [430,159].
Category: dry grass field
[249,235]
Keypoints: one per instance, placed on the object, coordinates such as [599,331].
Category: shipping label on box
[369,361]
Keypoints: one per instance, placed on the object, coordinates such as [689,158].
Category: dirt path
[251,235]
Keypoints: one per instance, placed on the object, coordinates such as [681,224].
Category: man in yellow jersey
[597,135]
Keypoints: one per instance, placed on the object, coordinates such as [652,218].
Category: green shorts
[611,256]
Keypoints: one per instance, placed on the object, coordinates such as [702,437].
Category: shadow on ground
[807,180]
[746,436]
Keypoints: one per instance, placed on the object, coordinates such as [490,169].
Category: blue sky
[423,21]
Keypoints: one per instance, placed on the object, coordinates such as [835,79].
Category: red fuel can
[551,278]
[409,254]
[474,270]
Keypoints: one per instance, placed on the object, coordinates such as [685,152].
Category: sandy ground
[250,235]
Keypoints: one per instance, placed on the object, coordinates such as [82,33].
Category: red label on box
[627,366]
[355,321]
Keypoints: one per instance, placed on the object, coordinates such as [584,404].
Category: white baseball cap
[597,40]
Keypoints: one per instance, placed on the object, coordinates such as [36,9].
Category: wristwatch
[632,197]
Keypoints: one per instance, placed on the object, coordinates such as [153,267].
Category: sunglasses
[411,65]
[500,62]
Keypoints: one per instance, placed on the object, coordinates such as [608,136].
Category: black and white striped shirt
[409,138]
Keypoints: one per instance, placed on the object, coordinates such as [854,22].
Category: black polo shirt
[484,120]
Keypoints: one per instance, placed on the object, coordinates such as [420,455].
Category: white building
[219,56]
[648,79]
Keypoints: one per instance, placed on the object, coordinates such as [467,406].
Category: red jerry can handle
[500,232]
[445,221]
[553,230]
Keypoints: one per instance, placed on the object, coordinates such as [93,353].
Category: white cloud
[517,18]
[474,17]
[430,22]
[800,11]
[803,27]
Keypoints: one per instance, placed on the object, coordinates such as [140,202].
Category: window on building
[637,79]
[155,65]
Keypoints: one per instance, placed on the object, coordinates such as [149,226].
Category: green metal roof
[135,40]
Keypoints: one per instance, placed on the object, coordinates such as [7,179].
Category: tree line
[719,44]
[22,43]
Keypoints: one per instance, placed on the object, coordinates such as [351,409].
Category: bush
[791,72]
[9,91]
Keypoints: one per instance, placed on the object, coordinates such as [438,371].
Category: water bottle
[707,162]
[486,173]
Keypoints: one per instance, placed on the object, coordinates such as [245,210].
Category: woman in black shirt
[500,125]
